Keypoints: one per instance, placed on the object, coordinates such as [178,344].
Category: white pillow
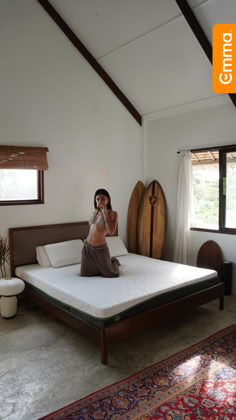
[116,246]
[42,257]
[64,253]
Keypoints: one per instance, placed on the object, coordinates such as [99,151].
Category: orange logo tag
[224,58]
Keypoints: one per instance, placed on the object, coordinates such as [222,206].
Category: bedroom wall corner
[208,126]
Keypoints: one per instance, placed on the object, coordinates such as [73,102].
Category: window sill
[20,202]
[226,231]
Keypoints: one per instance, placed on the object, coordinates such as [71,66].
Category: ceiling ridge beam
[90,59]
[199,33]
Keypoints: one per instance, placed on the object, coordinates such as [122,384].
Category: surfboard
[152,221]
[134,204]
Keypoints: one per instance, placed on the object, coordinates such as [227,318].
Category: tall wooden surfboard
[152,220]
[134,204]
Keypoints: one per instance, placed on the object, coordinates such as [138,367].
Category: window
[21,175]
[214,189]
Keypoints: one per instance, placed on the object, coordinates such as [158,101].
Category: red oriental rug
[197,383]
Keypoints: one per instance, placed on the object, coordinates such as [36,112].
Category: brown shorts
[96,261]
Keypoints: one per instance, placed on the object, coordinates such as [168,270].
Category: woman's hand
[104,212]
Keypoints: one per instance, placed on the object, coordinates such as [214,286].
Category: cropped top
[100,220]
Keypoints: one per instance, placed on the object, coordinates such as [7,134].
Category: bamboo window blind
[19,157]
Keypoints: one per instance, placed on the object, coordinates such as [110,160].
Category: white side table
[8,300]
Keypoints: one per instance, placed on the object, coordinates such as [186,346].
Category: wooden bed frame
[23,242]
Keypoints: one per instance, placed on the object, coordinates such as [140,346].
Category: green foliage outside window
[205,200]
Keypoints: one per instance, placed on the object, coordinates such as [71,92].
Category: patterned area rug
[198,383]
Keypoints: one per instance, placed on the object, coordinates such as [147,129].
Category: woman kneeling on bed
[96,260]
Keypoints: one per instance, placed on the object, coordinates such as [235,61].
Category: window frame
[39,200]
[223,150]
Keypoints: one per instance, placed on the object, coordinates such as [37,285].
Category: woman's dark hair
[103,192]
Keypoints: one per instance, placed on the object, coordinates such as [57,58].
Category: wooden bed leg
[104,347]
[221,303]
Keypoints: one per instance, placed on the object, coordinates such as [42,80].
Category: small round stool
[8,291]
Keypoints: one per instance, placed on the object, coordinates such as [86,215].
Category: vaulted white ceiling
[147,47]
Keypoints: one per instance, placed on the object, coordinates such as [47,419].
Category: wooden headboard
[23,241]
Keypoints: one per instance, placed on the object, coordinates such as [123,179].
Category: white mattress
[141,278]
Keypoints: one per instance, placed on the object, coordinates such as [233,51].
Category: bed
[147,292]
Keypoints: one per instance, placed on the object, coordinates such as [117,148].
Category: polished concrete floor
[45,365]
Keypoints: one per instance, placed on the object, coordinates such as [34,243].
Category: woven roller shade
[16,157]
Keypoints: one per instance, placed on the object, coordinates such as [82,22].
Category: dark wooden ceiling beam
[91,60]
[200,35]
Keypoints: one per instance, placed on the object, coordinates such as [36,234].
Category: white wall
[50,96]
[213,126]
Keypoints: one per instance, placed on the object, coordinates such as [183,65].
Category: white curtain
[183,209]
